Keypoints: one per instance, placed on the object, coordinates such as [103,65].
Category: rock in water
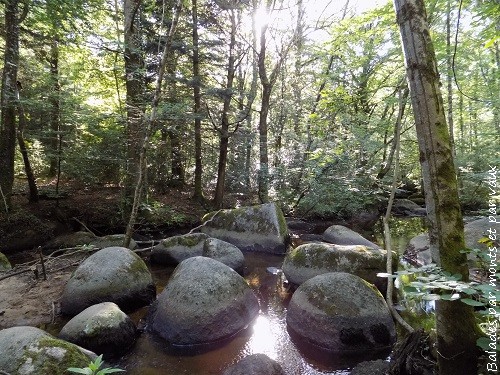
[255,364]
[225,253]
[340,235]
[101,328]
[113,274]
[257,228]
[204,301]
[31,351]
[173,250]
[341,312]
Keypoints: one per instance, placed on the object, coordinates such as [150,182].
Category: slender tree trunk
[8,101]
[449,77]
[198,171]
[55,110]
[224,128]
[134,83]
[455,323]
[33,195]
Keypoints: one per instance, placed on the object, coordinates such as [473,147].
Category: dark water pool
[267,334]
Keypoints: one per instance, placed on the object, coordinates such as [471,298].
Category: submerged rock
[113,274]
[31,351]
[312,259]
[101,328]
[173,250]
[341,312]
[257,228]
[204,301]
[255,364]
[340,235]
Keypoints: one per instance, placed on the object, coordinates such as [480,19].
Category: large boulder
[418,250]
[312,259]
[255,364]
[113,274]
[340,235]
[4,263]
[101,328]
[258,228]
[204,301]
[408,208]
[225,253]
[31,351]
[173,250]
[341,312]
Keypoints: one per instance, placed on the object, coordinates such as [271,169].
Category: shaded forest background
[260,101]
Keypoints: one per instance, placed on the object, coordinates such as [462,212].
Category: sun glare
[262,18]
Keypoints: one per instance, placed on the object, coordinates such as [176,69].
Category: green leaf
[483,343]
[85,371]
[109,371]
[472,302]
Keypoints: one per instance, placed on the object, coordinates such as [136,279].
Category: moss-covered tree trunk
[455,323]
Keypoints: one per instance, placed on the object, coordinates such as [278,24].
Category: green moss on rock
[4,263]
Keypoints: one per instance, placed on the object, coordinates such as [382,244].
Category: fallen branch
[15,274]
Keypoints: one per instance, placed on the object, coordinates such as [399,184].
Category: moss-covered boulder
[340,312]
[113,274]
[29,350]
[340,235]
[225,253]
[257,228]
[312,259]
[101,328]
[4,263]
[204,301]
[255,364]
[173,250]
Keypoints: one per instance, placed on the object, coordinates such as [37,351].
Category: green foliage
[93,368]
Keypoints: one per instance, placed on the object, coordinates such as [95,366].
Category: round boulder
[204,301]
[341,312]
[101,328]
[340,235]
[173,250]
[225,253]
[113,274]
[29,350]
[312,259]
[255,364]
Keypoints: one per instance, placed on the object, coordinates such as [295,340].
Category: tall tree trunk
[8,101]
[134,83]
[455,323]
[224,128]
[449,77]
[33,195]
[55,111]
[198,170]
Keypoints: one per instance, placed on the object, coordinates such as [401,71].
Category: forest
[140,116]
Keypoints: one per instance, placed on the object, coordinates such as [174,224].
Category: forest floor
[28,300]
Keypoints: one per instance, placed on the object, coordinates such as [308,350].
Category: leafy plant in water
[93,368]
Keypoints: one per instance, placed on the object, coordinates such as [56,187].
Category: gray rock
[312,259]
[225,253]
[112,240]
[204,301]
[255,364]
[341,312]
[257,228]
[378,367]
[406,207]
[4,263]
[113,274]
[340,235]
[173,250]
[86,238]
[29,350]
[418,249]
[101,328]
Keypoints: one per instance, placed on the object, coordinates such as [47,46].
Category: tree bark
[198,170]
[455,322]
[55,110]
[224,128]
[8,101]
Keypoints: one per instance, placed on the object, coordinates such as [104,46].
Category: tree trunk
[198,170]
[455,322]
[224,129]
[33,195]
[134,83]
[8,101]
[55,113]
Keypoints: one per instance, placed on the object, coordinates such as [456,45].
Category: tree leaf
[472,302]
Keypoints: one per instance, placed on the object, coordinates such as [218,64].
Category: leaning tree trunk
[455,323]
